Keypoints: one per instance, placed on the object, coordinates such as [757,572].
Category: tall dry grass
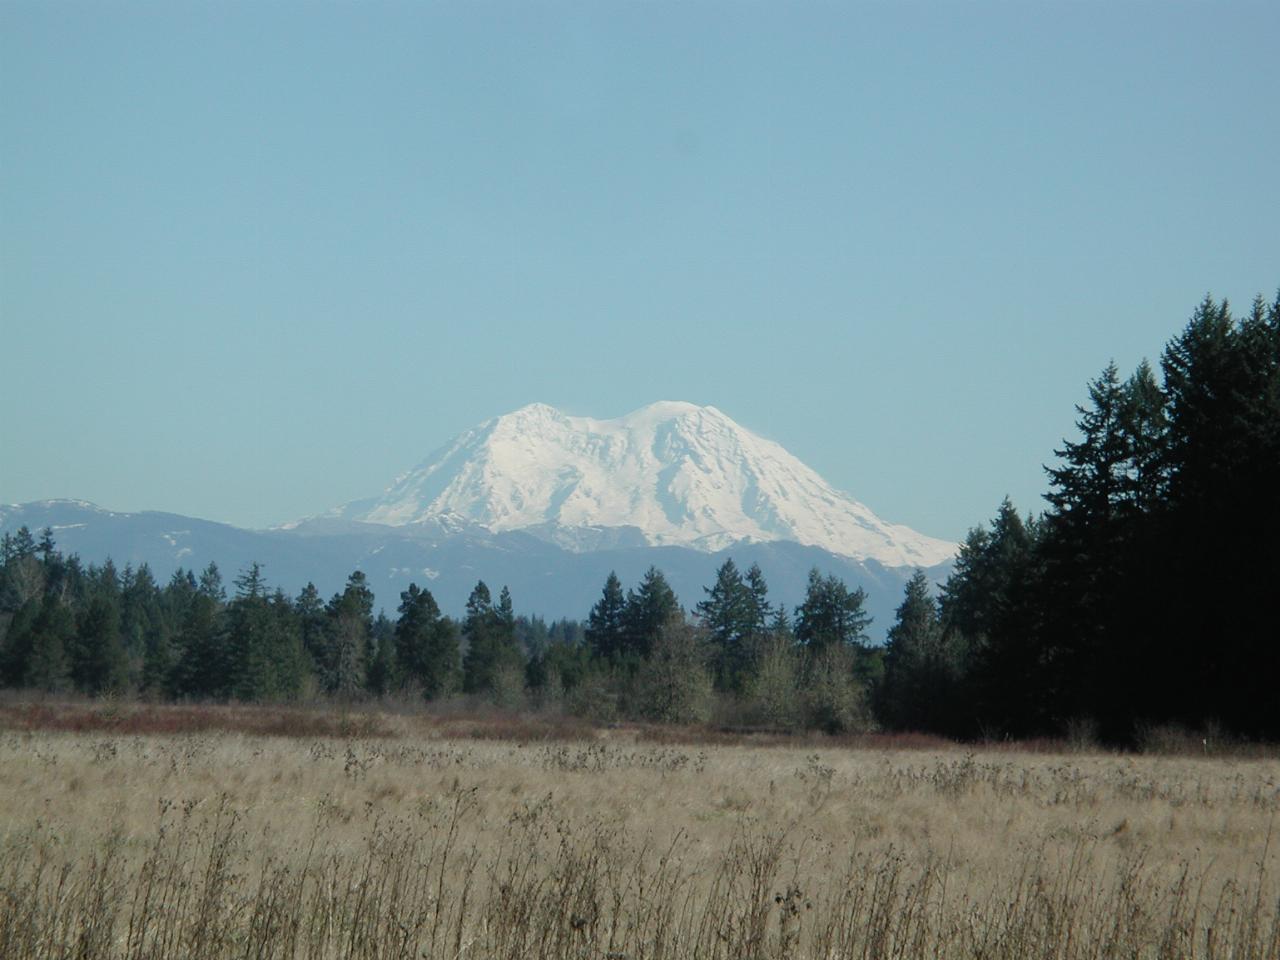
[229,845]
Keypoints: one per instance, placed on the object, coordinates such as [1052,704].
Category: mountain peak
[668,409]
[658,410]
[534,411]
[673,472]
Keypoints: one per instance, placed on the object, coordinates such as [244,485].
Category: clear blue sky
[258,258]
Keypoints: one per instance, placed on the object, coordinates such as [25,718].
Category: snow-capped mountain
[669,474]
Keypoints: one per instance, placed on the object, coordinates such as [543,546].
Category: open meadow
[153,834]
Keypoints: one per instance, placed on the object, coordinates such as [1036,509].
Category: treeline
[1145,594]
[96,630]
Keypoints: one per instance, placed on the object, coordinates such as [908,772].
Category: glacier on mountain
[668,474]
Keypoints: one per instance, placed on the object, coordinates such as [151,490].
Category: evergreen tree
[987,609]
[915,679]
[506,612]
[477,627]
[733,619]
[75,581]
[142,624]
[649,608]
[182,586]
[1087,488]
[18,640]
[1084,552]
[251,584]
[831,614]
[23,579]
[211,584]
[98,661]
[24,545]
[561,664]
[567,631]
[158,664]
[265,656]
[1204,375]
[759,610]
[780,624]
[427,645]
[292,668]
[509,685]
[384,669]
[606,624]
[532,636]
[309,609]
[350,622]
[46,545]
[204,668]
[1144,426]
[1222,390]
[831,628]
[492,657]
[47,667]
[250,626]
[175,602]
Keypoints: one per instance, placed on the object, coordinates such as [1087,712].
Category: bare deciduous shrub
[508,688]
[1082,734]
[595,699]
[774,695]
[833,699]
[673,684]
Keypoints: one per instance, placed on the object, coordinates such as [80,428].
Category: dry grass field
[394,836]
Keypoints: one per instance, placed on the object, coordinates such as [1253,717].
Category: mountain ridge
[677,473]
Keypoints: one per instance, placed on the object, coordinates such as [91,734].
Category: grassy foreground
[391,839]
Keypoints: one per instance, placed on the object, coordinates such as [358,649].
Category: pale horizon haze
[257,259]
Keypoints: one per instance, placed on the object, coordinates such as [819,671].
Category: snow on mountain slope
[671,473]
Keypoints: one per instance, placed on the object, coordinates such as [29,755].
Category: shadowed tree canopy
[831,614]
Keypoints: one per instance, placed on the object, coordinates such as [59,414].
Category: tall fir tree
[987,609]
[384,667]
[1144,426]
[1222,392]
[204,669]
[1083,549]
[47,667]
[98,662]
[427,645]
[24,544]
[309,609]
[350,623]
[492,656]
[729,616]
[46,547]
[250,626]
[915,674]
[606,623]
[831,614]
[649,608]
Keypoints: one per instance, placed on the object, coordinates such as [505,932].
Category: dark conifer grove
[1142,595]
